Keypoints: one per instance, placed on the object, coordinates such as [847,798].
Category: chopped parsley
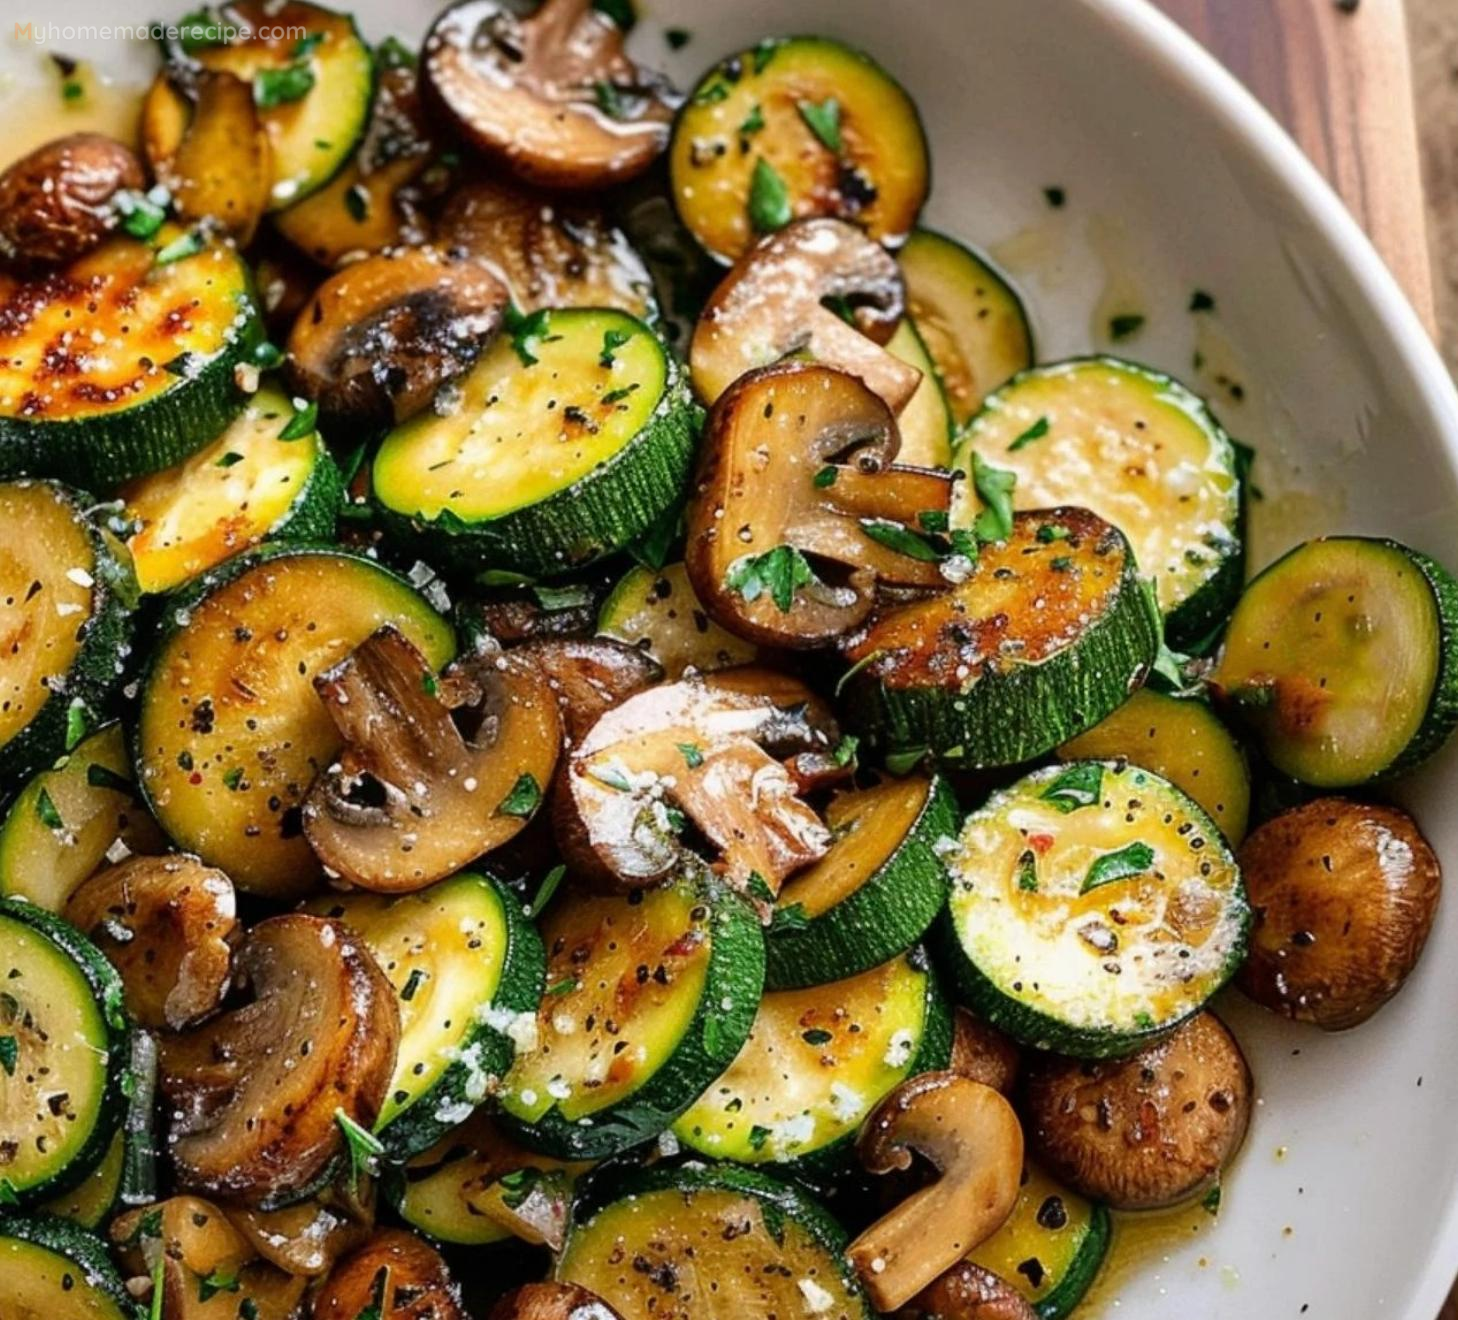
[778,573]
[525,797]
[769,198]
[1131,860]
[1036,431]
[823,119]
[1078,786]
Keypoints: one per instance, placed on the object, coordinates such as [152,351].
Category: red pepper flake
[1040,843]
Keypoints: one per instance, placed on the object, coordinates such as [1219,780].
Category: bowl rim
[1224,99]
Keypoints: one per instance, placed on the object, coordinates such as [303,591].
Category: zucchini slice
[66,596]
[566,441]
[1182,739]
[124,363]
[875,892]
[1343,658]
[230,732]
[90,1203]
[467,967]
[66,1047]
[657,611]
[1094,908]
[681,1242]
[313,92]
[649,998]
[63,824]
[796,127]
[968,316]
[1141,451]
[50,1267]
[926,425]
[1049,633]
[817,1061]
[256,481]
[1052,1246]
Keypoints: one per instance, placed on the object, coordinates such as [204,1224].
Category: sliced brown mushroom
[798,510]
[59,202]
[980,1051]
[705,752]
[256,1093]
[548,250]
[209,148]
[1147,1131]
[551,95]
[308,1237]
[379,337]
[589,676]
[552,1301]
[774,303]
[968,1292]
[968,1133]
[393,1276]
[434,771]
[167,925]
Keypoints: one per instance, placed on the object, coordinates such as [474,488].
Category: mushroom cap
[968,1292]
[552,1301]
[983,1053]
[397,1274]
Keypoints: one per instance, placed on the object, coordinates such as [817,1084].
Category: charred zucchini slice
[1343,658]
[567,440]
[649,998]
[686,1240]
[66,596]
[1141,451]
[467,969]
[230,731]
[817,1061]
[926,424]
[795,128]
[968,317]
[56,1269]
[1049,633]
[1094,907]
[259,480]
[657,611]
[124,362]
[67,1045]
[873,895]
[1182,739]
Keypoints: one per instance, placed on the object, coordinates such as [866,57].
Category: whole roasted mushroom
[820,287]
[798,510]
[983,1053]
[256,1093]
[434,771]
[551,95]
[393,1276]
[971,1136]
[552,1301]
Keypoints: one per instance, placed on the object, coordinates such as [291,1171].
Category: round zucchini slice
[1343,658]
[968,316]
[1141,451]
[467,967]
[657,611]
[677,1242]
[151,333]
[313,92]
[65,1045]
[230,731]
[796,128]
[1182,739]
[926,425]
[66,596]
[649,998]
[1048,633]
[875,892]
[1052,1246]
[566,441]
[91,1202]
[817,1061]
[52,1268]
[261,479]
[66,822]
[1094,908]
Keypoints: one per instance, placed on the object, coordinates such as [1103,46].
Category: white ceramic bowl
[1344,1205]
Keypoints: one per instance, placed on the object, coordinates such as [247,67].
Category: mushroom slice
[434,772]
[968,1292]
[306,1238]
[589,676]
[256,1092]
[798,511]
[394,1276]
[552,1301]
[167,925]
[379,337]
[699,751]
[551,95]
[774,303]
[971,1136]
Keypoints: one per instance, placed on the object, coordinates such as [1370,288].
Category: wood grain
[1433,26]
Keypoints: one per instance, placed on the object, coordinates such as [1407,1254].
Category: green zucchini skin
[87,1252]
[106,988]
[1442,713]
[884,917]
[1083,1269]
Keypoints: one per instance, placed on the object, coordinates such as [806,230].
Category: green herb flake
[1036,431]
[378,1288]
[609,99]
[758,1135]
[45,810]
[712,94]
[304,422]
[9,1054]
[905,761]
[900,539]
[545,890]
[78,724]
[527,332]
[1131,860]
[769,198]
[823,119]
[620,11]
[692,756]
[571,597]
[141,216]
[248,1309]
[753,122]
[525,797]
[199,30]
[1027,872]
[617,396]
[612,340]
[1050,532]
[392,53]
[217,1282]
[934,520]
[994,487]
[275,87]
[1210,1204]
[1079,786]
[230,459]
[364,1147]
[779,573]
[1125,326]
[764,52]
[268,356]
[562,987]
[1060,563]
[825,477]
[233,778]
[517,1185]
[845,750]
[181,247]
[430,685]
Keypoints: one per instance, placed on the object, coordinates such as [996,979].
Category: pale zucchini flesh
[658,611]
[925,423]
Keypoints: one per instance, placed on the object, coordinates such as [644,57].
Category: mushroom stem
[830,338]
